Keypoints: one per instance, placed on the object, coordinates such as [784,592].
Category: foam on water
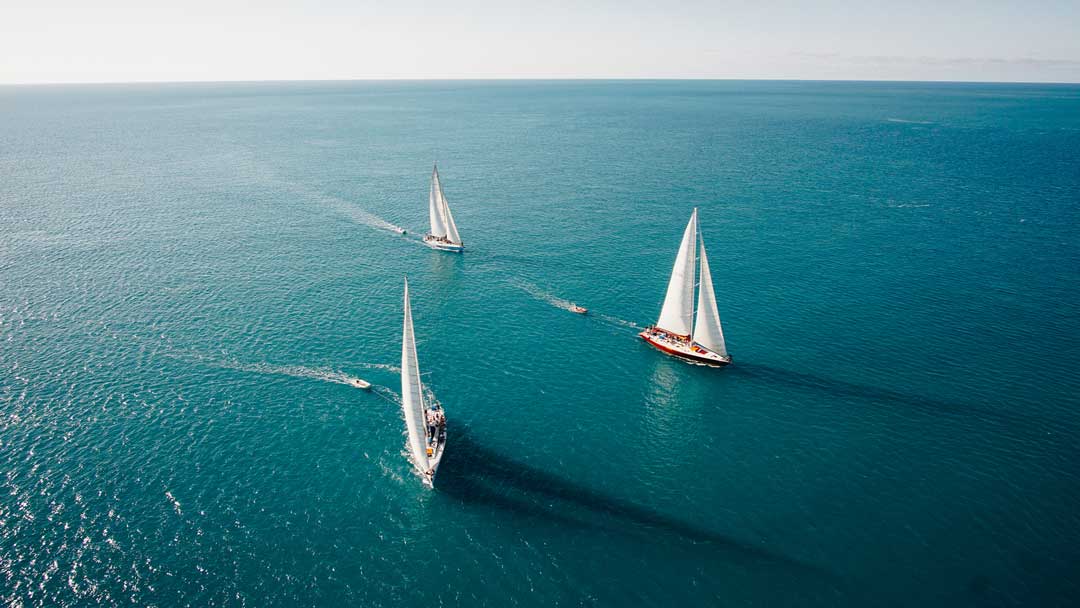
[348,209]
[547,297]
[296,371]
[542,295]
[175,503]
[617,321]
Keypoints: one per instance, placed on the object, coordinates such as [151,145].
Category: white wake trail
[564,304]
[347,209]
[617,321]
[383,366]
[542,295]
[296,371]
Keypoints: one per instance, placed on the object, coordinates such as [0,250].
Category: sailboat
[704,342]
[425,421]
[444,233]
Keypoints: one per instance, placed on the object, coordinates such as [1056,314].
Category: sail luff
[438,225]
[412,400]
[707,330]
[677,314]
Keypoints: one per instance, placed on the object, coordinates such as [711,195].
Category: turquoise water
[189,274]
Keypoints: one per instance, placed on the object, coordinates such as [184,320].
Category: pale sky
[45,41]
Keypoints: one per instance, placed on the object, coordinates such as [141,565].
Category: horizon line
[529,79]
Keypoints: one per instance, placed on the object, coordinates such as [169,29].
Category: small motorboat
[361,384]
[581,310]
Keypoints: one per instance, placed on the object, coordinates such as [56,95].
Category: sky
[53,41]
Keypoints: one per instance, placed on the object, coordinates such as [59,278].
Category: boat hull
[441,246]
[436,458]
[695,353]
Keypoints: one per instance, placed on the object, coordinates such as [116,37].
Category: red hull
[683,355]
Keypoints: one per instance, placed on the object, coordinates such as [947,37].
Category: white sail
[451,226]
[412,398]
[707,330]
[677,315]
[435,205]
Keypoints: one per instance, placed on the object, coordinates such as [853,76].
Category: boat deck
[683,348]
[436,243]
[436,446]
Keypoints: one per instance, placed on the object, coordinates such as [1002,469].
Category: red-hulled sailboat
[677,332]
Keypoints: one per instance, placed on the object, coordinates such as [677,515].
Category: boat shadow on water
[960,411]
[475,474]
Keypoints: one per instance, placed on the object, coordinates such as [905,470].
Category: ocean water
[190,274]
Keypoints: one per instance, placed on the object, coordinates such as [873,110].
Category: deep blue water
[187,272]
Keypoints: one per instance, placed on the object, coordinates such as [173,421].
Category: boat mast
[697,284]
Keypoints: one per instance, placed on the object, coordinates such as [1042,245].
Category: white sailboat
[425,422]
[444,233]
[703,341]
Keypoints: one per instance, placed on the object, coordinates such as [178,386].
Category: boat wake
[387,394]
[360,216]
[542,295]
[296,371]
[175,503]
[383,366]
[348,209]
[564,304]
[326,374]
[619,322]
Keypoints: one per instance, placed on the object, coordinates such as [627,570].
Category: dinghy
[444,233]
[581,310]
[704,342]
[361,384]
[425,421]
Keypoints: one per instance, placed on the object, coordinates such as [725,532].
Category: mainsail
[435,204]
[707,330]
[677,314]
[412,399]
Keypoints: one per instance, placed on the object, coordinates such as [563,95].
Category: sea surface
[191,274]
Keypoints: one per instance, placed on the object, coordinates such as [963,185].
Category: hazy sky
[143,40]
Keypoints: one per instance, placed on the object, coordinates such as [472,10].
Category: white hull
[437,447]
[435,243]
